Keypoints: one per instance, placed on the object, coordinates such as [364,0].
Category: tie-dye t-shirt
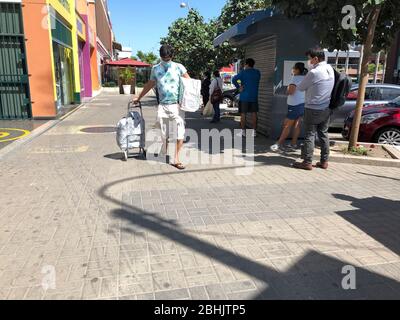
[168,81]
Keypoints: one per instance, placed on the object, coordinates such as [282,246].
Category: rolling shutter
[264,53]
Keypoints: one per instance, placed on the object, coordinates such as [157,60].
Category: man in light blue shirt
[166,76]
[318,85]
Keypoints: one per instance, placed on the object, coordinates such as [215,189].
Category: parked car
[376,94]
[231,97]
[379,124]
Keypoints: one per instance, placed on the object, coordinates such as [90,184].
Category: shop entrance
[63,74]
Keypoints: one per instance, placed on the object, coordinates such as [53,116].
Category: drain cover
[99,130]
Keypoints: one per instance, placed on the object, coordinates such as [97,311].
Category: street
[79,223]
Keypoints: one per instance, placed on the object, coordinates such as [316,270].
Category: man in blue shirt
[248,83]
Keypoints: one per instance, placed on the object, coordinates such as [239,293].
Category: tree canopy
[327,17]
[235,11]
[148,57]
[192,37]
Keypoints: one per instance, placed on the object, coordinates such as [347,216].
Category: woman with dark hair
[296,104]
[216,85]
[205,88]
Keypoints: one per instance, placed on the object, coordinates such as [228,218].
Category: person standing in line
[216,84]
[318,85]
[166,76]
[205,88]
[248,83]
[296,99]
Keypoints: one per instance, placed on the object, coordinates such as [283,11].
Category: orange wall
[39,58]
[81,6]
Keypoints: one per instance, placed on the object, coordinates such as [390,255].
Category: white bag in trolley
[131,132]
[190,94]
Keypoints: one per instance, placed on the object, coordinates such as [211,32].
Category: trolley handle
[135,105]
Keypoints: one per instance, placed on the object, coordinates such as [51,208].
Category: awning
[128,63]
[242,26]
[230,69]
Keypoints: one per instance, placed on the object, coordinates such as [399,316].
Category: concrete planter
[127,89]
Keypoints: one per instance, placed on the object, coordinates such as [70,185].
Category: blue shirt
[250,80]
[167,76]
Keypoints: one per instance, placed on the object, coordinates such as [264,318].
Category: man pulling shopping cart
[167,76]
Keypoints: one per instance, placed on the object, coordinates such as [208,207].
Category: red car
[379,124]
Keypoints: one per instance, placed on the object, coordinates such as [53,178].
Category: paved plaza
[76,222]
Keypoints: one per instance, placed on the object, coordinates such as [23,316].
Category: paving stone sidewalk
[78,223]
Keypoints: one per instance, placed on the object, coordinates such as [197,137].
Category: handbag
[208,110]
[217,96]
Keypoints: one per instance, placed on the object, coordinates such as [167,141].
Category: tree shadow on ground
[313,276]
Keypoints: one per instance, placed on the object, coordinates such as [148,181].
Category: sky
[141,23]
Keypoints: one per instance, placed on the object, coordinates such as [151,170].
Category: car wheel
[228,101]
[389,136]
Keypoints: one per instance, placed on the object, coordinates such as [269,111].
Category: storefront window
[63,74]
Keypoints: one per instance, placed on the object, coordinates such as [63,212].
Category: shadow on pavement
[377,217]
[314,276]
[377,176]
[115,156]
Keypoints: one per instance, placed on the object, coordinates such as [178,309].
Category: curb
[350,159]
[36,133]
[391,163]
[395,153]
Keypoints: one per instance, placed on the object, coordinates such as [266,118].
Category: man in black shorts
[248,83]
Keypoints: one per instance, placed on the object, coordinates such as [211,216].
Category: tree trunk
[364,76]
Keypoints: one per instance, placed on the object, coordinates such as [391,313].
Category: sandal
[179,166]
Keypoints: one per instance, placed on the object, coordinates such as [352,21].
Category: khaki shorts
[168,113]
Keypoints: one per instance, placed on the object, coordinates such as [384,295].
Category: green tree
[235,11]
[192,39]
[376,23]
[232,13]
[148,57]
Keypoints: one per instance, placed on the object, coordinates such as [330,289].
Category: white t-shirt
[298,97]
[215,84]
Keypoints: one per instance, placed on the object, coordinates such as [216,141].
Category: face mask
[310,65]
[166,64]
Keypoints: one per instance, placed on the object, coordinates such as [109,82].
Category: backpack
[341,90]
[217,96]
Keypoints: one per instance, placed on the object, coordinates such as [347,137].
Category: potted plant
[127,77]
